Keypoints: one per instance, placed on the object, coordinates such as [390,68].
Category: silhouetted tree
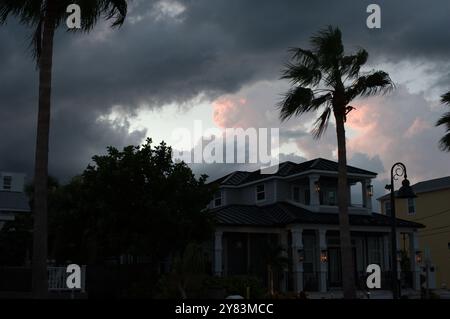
[44,17]
[444,143]
[326,80]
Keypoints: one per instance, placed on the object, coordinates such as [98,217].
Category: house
[432,208]
[296,209]
[13,199]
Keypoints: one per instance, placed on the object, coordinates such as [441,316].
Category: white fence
[57,278]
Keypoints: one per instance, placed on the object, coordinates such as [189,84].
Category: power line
[439,213]
[432,234]
[435,228]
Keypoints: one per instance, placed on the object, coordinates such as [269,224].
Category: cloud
[171,52]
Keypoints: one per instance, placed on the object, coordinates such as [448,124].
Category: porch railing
[57,279]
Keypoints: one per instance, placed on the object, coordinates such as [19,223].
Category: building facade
[431,208]
[296,210]
[12,196]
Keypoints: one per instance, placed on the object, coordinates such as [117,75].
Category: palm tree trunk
[39,262]
[348,277]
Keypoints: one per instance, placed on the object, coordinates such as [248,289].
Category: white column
[284,245]
[366,199]
[218,236]
[314,196]
[297,266]
[323,267]
[415,267]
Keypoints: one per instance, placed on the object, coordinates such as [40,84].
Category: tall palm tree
[44,17]
[325,79]
[444,143]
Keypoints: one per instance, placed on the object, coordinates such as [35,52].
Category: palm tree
[444,143]
[325,79]
[44,17]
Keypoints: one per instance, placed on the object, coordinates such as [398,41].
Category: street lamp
[405,191]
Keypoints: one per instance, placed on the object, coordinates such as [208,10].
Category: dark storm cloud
[212,48]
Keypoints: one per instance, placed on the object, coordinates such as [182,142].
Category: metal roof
[282,213]
[288,169]
[427,186]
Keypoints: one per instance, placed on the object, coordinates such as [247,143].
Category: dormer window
[260,192]
[7,182]
[218,199]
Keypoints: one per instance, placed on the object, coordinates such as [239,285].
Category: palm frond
[295,102]
[367,85]
[301,74]
[327,46]
[444,143]
[305,57]
[446,98]
[351,64]
[321,124]
[444,120]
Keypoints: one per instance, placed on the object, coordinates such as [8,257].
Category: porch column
[218,236]
[284,253]
[314,196]
[366,199]
[323,266]
[297,265]
[415,267]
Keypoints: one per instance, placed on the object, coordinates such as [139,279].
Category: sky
[175,62]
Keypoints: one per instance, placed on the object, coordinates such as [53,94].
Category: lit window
[218,199]
[7,181]
[411,206]
[387,208]
[260,192]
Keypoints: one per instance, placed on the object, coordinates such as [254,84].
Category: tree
[444,143]
[326,80]
[142,203]
[44,17]
[275,261]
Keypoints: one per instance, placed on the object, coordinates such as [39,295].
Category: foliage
[326,80]
[444,143]
[136,201]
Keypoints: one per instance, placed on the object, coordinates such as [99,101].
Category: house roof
[282,213]
[288,169]
[427,186]
[14,202]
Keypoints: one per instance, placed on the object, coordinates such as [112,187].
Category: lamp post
[405,191]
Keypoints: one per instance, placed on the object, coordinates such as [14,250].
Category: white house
[296,209]
[13,199]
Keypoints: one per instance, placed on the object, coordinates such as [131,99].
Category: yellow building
[431,208]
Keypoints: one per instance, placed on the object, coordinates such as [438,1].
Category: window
[331,198]
[411,206]
[7,181]
[387,208]
[218,199]
[260,192]
[296,194]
